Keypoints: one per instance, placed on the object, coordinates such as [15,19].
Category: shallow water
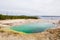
[33,27]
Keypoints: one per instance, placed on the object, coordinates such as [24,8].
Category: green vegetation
[3,17]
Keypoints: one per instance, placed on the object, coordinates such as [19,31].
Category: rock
[52,34]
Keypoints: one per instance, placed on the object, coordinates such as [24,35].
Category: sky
[30,7]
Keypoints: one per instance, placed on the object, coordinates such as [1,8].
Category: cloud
[31,7]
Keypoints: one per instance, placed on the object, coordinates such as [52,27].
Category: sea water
[33,27]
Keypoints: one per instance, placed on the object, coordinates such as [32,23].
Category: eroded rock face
[53,34]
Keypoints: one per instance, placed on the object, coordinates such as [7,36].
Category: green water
[33,27]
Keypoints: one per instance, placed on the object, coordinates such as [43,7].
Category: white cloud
[31,7]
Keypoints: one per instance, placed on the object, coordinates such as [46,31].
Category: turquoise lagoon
[33,27]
